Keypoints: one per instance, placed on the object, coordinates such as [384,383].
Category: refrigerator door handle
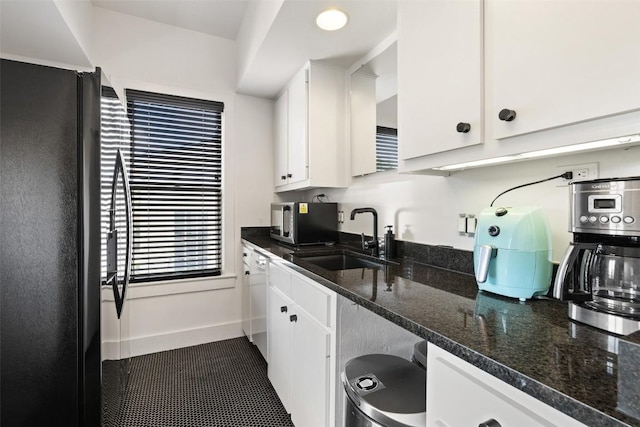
[120,168]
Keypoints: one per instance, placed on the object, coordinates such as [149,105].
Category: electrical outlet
[581,172]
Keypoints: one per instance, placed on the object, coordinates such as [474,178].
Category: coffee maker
[600,271]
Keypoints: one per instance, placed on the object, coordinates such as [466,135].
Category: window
[173,150]
[386,148]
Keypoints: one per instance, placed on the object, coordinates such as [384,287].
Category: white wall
[425,209]
[254,166]
[78,16]
[387,113]
[145,55]
[45,32]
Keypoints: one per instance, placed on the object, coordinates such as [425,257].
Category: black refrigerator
[49,246]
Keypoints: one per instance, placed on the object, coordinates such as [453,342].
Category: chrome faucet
[369,244]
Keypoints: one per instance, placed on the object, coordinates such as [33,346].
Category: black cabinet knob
[244,254]
[490,423]
[283,177]
[283,309]
[293,318]
[507,115]
[246,273]
[463,127]
[289,175]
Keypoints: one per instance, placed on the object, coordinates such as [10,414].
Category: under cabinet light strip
[631,139]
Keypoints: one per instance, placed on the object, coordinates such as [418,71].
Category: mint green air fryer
[512,252]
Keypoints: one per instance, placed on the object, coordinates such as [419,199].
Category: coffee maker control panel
[606,206]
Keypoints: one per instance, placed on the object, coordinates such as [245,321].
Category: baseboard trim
[111,350]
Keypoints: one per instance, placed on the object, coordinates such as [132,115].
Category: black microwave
[300,223]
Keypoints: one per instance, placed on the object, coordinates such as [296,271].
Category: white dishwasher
[258,297]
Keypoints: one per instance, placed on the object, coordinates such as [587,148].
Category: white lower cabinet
[302,350]
[310,357]
[459,394]
[279,344]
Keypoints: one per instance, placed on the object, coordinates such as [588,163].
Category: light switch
[472,222]
[462,223]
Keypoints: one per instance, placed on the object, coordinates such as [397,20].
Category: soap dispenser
[390,243]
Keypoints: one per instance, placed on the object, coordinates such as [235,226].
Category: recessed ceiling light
[332,19]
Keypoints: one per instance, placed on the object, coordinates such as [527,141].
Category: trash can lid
[388,389]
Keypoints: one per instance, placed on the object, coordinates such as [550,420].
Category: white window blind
[386,148]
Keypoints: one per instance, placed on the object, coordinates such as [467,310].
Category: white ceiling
[221,18]
[35,29]
[294,38]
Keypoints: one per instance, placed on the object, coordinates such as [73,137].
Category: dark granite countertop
[587,374]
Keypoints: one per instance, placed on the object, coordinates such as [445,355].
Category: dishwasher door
[258,295]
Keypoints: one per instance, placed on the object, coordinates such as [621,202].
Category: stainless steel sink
[335,262]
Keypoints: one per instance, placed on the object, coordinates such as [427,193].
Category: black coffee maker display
[600,271]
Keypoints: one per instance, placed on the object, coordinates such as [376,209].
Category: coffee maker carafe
[600,271]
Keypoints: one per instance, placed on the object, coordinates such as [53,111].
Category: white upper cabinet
[439,76]
[292,142]
[309,129]
[560,62]
[298,106]
[281,135]
[373,90]
[363,123]
[561,72]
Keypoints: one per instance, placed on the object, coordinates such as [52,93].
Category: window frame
[213,240]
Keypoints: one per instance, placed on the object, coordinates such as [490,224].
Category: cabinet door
[363,123]
[279,344]
[453,383]
[310,372]
[281,135]
[439,75]
[297,160]
[562,62]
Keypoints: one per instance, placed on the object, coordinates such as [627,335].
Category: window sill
[173,287]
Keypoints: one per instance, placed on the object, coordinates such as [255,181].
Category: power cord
[318,197]
[566,175]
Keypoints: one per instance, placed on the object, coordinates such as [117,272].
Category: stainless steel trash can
[384,391]
[420,354]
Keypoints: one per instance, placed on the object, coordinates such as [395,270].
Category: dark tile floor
[221,384]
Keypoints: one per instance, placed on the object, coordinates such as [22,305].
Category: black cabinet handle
[463,127]
[283,177]
[283,309]
[246,273]
[293,318]
[289,175]
[244,255]
[490,423]
[507,115]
